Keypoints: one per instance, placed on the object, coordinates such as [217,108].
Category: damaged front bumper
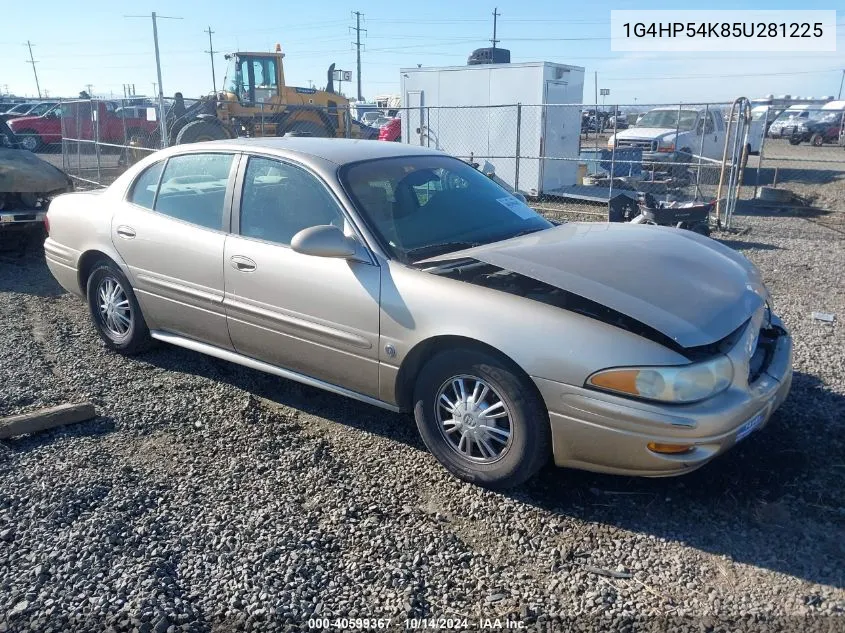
[20,217]
[601,432]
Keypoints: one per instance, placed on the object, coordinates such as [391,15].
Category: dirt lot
[208,496]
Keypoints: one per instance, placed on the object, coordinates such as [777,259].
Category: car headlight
[678,384]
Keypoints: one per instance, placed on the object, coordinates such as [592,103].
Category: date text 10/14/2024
[415,624]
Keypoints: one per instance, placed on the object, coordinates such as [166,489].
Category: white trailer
[472,111]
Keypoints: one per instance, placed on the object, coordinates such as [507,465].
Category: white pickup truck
[672,135]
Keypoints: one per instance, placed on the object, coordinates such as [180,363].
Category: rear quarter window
[144,190]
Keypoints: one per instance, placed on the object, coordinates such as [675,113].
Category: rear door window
[193,189]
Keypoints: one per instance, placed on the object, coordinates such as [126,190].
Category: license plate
[749,427]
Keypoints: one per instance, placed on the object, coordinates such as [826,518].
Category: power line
[34,72]
[211,52]
[357,28]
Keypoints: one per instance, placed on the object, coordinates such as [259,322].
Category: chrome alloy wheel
[115,310]
[473,419]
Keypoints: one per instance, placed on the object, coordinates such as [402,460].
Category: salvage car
[27,186]
[820,128]
[404,278]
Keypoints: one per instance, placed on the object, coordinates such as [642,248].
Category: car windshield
[422,206]
[826,117]
[669,119]
[791,114]
[22,108]
[41,108]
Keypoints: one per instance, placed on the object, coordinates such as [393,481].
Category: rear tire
[817,140]
[499,449]
[115,310]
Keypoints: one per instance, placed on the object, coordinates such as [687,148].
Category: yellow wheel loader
[255,102]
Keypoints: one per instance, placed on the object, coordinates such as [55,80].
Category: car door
[170,232]
[317,316]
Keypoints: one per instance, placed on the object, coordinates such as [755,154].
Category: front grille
[650,146]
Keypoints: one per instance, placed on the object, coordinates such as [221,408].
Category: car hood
[688,287]
[646,132]
[20,121]
[23,172]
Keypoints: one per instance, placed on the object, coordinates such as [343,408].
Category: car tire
[817,140]
[794,140]
[115,310]
[30,140]
[202,130]
[501,458]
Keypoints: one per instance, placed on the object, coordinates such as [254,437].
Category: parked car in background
[669,136]
[369,118]
[75,119]
[820,128]
[790,118]
[18,109]
[336,263]
[27,186]
[391,131]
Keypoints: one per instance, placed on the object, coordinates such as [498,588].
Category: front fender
[543,340]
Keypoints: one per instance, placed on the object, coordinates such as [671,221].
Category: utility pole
[841,81]
[496,14]
[162,123]
[211,52]
[34,72]
[596,75]
[357,28]
[90,87]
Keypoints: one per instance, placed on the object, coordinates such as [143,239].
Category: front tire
[202,130]
[817,140]
[115,310]
[481,418]
[30,140]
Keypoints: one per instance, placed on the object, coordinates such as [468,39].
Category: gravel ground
[211,497]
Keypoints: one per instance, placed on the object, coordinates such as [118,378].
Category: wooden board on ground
[45,419]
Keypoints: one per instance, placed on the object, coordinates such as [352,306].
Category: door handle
[243,264]
[126,232]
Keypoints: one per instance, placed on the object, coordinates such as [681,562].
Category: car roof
[336,150]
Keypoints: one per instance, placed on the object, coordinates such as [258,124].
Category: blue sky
[93,43]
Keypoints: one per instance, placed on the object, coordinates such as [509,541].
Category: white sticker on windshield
[517,206]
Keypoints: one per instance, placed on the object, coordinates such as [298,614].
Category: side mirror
[324,240]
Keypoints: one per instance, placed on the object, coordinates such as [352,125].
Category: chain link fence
[576,159]
[568,160]
[803,153]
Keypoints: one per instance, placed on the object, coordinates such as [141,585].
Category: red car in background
[391,131]
[77,120]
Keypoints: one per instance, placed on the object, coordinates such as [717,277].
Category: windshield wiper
[431,250]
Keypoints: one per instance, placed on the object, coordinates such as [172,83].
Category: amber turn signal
[669,449]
